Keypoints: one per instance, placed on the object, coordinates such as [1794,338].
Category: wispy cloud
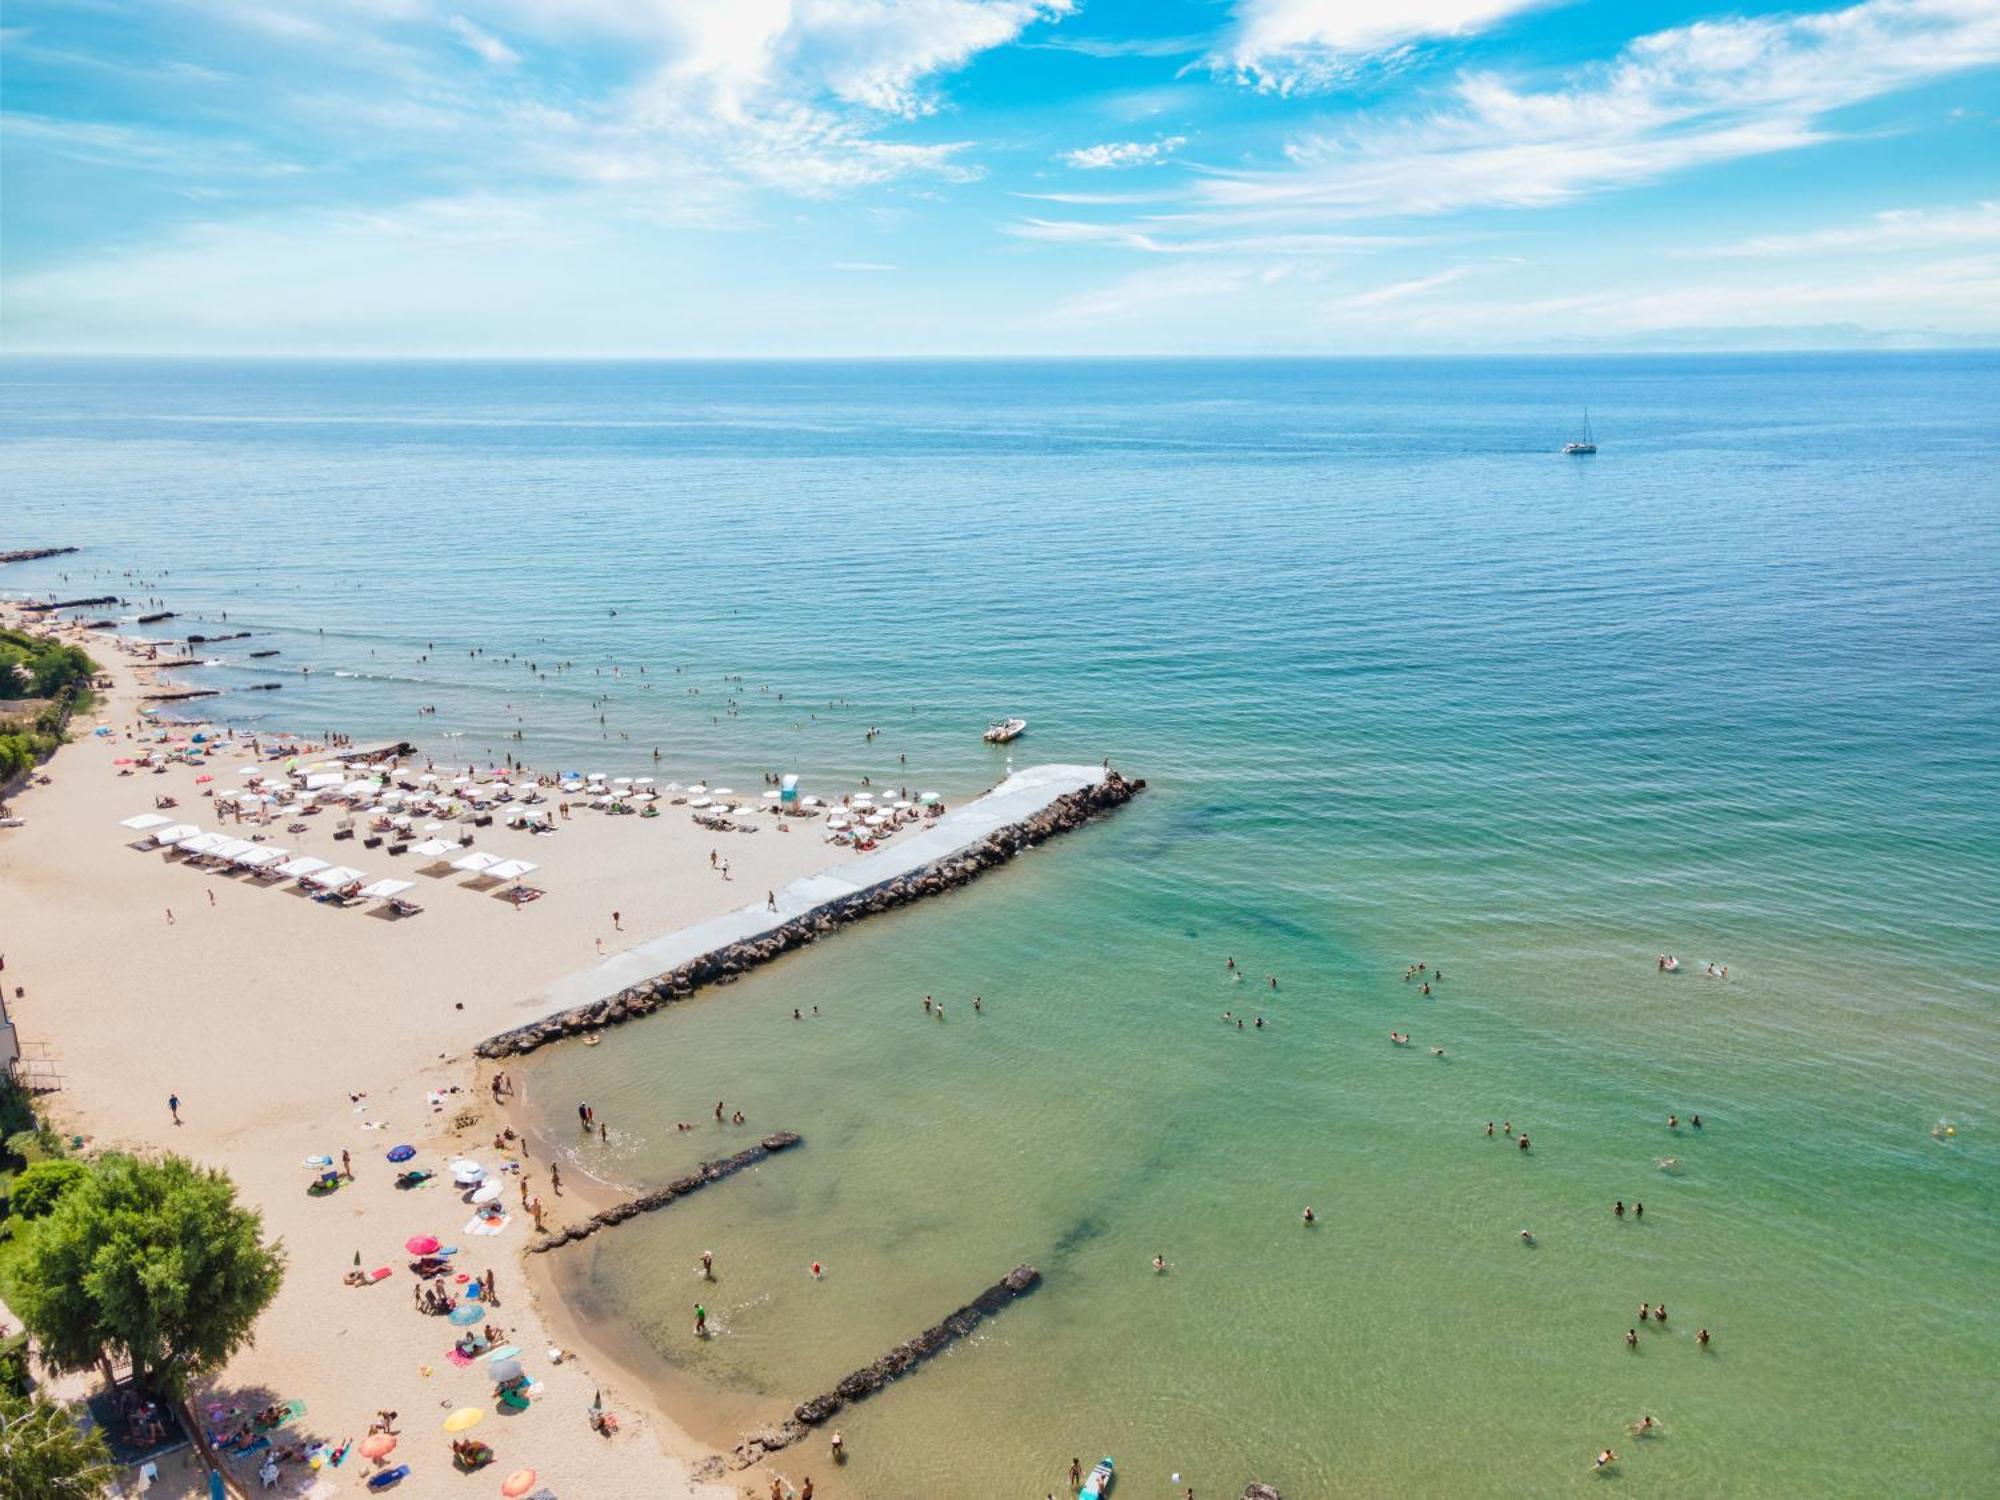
[1124,153]
[1296,46]
[863,266]
[483,43]
[1126,236]
[1896,229]
[1402,291]
[1713,91]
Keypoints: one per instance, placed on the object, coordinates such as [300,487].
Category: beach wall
[680,1187]
[733,960]
[870,1378]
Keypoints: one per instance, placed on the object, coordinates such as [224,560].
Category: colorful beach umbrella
[467,1313]
[517,1483]
[377,1445]
[465,1419]
[422,1244]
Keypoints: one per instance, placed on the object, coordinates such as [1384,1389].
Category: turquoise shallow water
[1407,686]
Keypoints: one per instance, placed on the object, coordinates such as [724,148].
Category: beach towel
[463,1361]
[505,1351]
[483,1225]
[242,1453]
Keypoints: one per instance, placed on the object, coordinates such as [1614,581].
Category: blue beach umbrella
[467,1313]
[401,1153]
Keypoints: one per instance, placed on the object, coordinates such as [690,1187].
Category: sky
[995,177]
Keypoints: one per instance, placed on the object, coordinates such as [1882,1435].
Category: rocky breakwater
[673,1192]
[870,1378]
[725,965]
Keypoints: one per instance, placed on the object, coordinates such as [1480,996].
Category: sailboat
[1588,443]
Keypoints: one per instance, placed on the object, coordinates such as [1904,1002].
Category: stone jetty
[870,1378]
[36,554]
[673,1192]
[1023,811]
[55,604]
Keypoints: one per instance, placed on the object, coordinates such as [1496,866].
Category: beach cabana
[477,863]
[511,869]
[385,890]
[263,857]
[201,843]
[333,877]
[303,866]
[173,833]
[230,850]
[434,848]
[144,821]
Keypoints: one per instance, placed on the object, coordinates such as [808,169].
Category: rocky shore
[680,1187]
[730,963]
[870,1378]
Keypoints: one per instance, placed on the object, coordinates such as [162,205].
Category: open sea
[1409,686]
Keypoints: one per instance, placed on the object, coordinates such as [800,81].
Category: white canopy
[323,780]
[512,869]
[334,878]
[201,843]
[382,890]
[304,865]
[478,862]
[173,833]
[234,848]
[147,820]
[432,848]
[258,858]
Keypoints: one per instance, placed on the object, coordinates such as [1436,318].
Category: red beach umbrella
[377,1445]
[422,1244]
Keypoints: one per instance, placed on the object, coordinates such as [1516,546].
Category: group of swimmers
[935,1007]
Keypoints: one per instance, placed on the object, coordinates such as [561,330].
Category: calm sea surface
[1409,686]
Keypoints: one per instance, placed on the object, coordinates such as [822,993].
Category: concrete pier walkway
[1020,796]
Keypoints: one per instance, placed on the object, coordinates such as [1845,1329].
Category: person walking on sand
[524,1191]
[555,1179]
[174,1107]
[617,922]
[708,1265]
[346,1167]
[770,900]
[489,1292]
[700,1321]
[170,916]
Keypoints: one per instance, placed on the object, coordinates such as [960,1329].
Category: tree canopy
[31,667]
[150,1261]
[44,1455]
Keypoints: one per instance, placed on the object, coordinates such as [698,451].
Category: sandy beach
[289,1029]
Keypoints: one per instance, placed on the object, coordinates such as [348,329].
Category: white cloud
[1289,46]
[863,266]
[1713,91]
[1131,237]
[1125,153]
[1896,229]
[1402,291]
[483,43]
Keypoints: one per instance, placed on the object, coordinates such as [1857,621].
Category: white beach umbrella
[477,863]
[512,869]
[432,848]
[144,821]
[642,781]
[773,795]
[467,1171]
[721,791]
[700,802]
[700,787]
[382,890]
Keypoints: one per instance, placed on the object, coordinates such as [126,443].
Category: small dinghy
[1002,730]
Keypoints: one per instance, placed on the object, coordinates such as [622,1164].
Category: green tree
[44,1454]
[152,1262]
[42,1183]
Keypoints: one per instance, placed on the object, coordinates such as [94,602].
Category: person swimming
[1605,1459]
[1310,1216]
[1159,1264]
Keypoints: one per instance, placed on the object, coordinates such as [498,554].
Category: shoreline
[423,1084]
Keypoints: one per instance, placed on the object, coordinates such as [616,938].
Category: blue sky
[772,177]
